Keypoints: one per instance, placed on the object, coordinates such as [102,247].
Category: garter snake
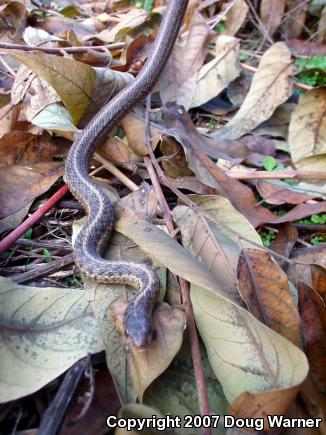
[91,240]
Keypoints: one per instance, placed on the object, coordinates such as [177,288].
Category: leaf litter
[259,311]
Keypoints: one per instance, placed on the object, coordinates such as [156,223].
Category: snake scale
[93,237]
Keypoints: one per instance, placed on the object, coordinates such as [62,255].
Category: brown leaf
[134,128]
[174,163]
[177,82]
[20,147]
[277,192]
[265,289]
[8,117]
[286,238]
[313,324]
[271,13]
[260,405]
[208,173]
[295,18]
[137,53]
[22,184]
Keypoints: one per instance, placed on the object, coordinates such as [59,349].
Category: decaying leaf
[270,87]
[21,184]
[215,75]
[177,82]
[228,331]
[72,80]
[307,131]
[265,289]
[271,12]
[44,331]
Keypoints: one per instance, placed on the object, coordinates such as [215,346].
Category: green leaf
[47,255]
[269,163]
[28,234]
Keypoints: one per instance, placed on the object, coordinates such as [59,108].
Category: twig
[31,220]
[184,285]
[43,270]
[53,417]
[270,175]
[117,46]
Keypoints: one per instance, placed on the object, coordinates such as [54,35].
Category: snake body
[93,237]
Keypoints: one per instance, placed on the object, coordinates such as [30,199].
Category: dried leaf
[307,131]
[313,322]
[277,192]
[177,82]
[270,87]
[231,334]
[15,192]
[72,80]
[265,289]
[235,17]
[271,13]
[215,75]
[44,331]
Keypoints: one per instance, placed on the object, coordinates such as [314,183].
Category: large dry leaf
[313,321]
[307,131]
[213,245]
[72,80]
[271,13]
[265,289]
[235,16]
[44,331]
[215,75]
[21,184]
[244,353]
[295,18]
[177,82]
[278,192]
[129,21]
[270,87]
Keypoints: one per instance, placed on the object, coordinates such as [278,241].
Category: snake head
[138,326]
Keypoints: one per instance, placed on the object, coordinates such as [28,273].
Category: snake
[92,239]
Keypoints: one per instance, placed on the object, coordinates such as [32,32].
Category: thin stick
[117,46]
[31,220]
[270,175]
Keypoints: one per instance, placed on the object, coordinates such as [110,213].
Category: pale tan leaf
[213,245]
[44,331]
[235,17]
[271,12]
[215,75]
[307,131]
[129,21]
[134,127]
[244,353]
[72,80]
[270,87]
[177,82]
[42,95]
[56,118]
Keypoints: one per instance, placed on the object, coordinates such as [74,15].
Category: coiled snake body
[93,237]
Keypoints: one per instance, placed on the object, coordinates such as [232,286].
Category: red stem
[31,220]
